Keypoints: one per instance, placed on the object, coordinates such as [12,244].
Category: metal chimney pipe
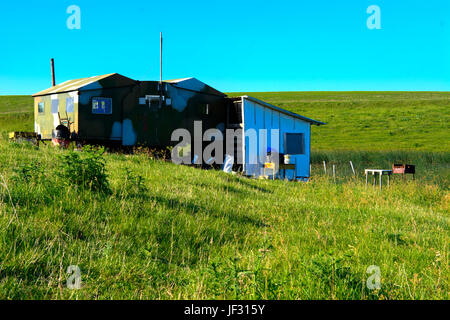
[53,72]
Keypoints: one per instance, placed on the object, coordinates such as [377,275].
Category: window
[41,107]
[202,109]
[55,106]
[102,105]
[294,143]
[69,105]
[235,113]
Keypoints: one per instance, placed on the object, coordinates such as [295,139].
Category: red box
[403,168]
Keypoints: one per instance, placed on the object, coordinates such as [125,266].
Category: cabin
[112,109]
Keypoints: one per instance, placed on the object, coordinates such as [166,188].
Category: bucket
[287,159]
[61,136]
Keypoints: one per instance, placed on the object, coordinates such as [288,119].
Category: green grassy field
[371,120]
[161,231]
[16,113]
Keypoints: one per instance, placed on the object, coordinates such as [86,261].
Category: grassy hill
[371,120]
[380,120]
[147,229]
[16,113]
[162,231]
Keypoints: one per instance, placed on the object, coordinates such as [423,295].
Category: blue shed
[266,126]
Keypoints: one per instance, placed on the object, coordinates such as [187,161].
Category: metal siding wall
[276,121]
[248,110]
[286,125]
[293,125]
[253,120]
[268,113]
[302,161]
[262,144]
[259,117]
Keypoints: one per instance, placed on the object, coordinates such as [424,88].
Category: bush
[28,172]
[85,169]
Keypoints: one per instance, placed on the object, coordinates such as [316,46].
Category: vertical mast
[160,70]
[160,57]
[52,61]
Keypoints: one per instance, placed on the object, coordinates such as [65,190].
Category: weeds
[28,172]
[133,183]
[85,169]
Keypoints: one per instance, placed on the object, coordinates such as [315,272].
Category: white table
[380,173]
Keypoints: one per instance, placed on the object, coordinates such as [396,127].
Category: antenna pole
[160,57]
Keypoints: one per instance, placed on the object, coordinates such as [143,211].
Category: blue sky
[232,45]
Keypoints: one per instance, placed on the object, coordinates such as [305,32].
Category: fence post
[334,173]
[353,169]
[324,167]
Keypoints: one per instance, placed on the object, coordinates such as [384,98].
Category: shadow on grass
[245,182]
[193,208]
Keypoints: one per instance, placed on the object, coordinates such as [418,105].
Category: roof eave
[75,85]
[39,94]
[295,115]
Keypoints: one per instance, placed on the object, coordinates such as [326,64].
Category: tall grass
[175,232]
[163,231]
[432,167]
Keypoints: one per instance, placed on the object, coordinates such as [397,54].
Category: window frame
[72,103]
[302,144]
[202,109]
[43,107]
[101,98]
[56,101]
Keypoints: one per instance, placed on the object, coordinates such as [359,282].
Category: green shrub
[28,172]
[85,169]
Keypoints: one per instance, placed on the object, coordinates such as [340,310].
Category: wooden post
[381,179]
[334,173]
[353,169]
[325,167]
[367,178]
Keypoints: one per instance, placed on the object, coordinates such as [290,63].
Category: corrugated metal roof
[79,84]
[292,114]
[178,80]
[196,85]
